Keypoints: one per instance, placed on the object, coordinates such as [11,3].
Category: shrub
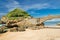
[16,13]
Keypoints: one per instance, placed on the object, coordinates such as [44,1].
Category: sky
[36,8]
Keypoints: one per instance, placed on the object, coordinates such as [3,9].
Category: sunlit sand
[42,34]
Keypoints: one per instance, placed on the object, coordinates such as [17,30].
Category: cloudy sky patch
[33,7]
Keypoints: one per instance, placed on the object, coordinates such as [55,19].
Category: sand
[42,34]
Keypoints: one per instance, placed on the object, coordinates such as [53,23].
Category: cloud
[12,5]
[36,6]
[53,20]
[39,6]
[15,4]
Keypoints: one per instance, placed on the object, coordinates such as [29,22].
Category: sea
[51,23]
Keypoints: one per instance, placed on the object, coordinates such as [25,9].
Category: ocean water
[51,23]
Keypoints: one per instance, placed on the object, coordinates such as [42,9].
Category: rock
[21,28]
[3,29]
[4,20]
[8,24]
[58,24]
[41,25]
[26,23]
[14,29]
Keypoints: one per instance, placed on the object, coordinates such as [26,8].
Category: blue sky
[37,8]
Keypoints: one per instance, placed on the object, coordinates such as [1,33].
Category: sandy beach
[42,34]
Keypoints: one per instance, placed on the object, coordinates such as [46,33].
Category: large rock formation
[27,23]
[3,29]
[4,20]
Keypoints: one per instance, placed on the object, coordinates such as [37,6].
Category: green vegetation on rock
[17,13]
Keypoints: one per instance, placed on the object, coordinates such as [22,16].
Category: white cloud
[53,20]
[12,5]
[15,4]
[37,6]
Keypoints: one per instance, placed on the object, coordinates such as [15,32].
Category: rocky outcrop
[4,20]
[3,29]
[33,24]
[14,29]
[27,23]
[58,24]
